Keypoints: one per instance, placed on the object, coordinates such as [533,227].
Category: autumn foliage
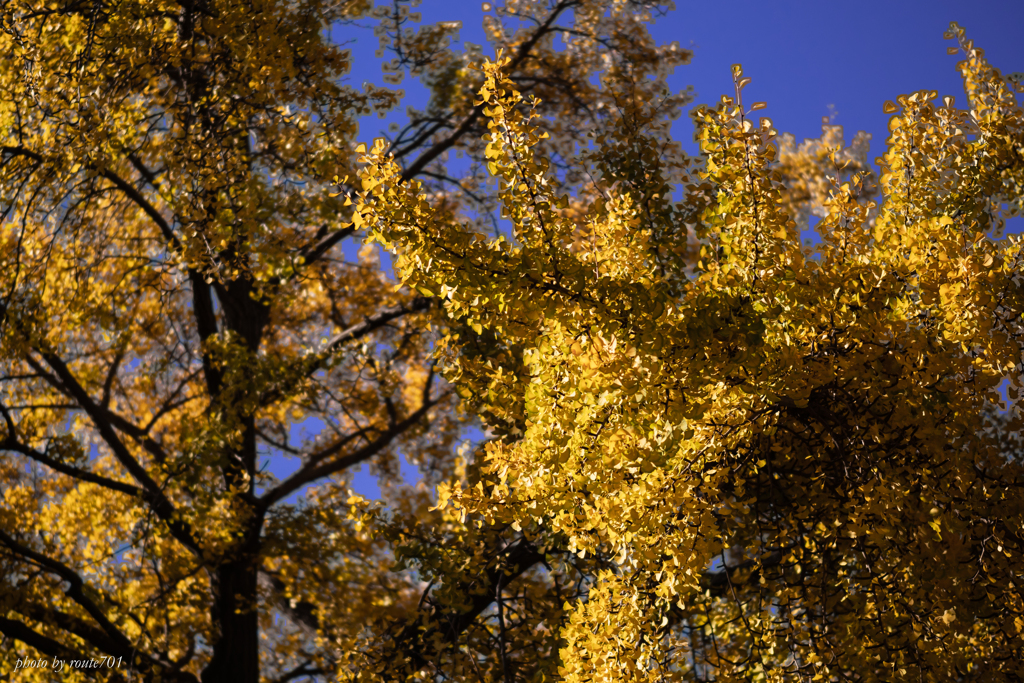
[713,452]
[786,462]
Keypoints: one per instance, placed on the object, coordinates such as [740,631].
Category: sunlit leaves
[183,314]
[772,449]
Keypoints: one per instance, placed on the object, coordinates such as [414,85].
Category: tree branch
[70,470]
[206,325]
[301,613]
[48,646]
[312,471]
[76,626]
[74,591]
[138,433]
[160,504]
[719,582]
[121,184]
[449,142]
[303,670]
[415,642]
[202,305]
[314,252]
[382,318]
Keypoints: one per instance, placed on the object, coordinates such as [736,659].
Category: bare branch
[375,322]
[314,252]
[138,433]
[313,471]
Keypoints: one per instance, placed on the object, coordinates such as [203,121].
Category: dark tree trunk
[236,657]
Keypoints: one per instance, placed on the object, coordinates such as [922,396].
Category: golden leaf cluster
[781,462]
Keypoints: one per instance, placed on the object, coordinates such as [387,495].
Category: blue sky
[802,57]
[805,56]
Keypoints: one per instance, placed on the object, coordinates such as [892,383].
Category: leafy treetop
[784,463]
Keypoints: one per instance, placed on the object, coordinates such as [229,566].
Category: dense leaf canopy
[786,462]
[713,453]
[177,311]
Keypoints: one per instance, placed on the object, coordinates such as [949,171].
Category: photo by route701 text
[58,664]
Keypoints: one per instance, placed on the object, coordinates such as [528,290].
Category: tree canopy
[713,452]
[786,462]
[177,310]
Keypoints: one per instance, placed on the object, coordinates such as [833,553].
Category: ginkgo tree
[741,458]
[713,453]
[179,319]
